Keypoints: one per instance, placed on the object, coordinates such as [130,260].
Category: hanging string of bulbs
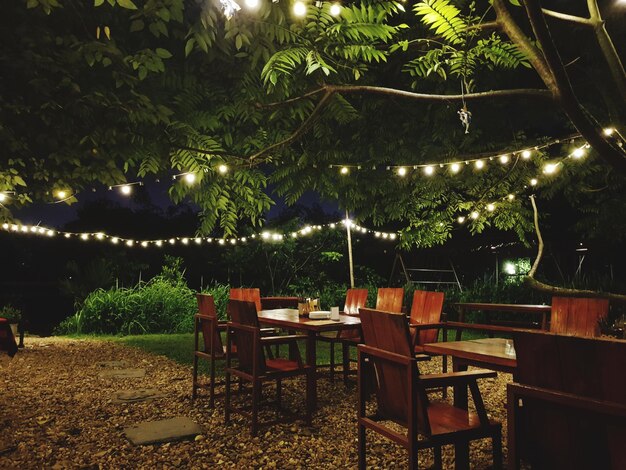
[264,236]
[299,8]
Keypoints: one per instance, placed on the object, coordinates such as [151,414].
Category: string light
[579,152]
[3,197]
[402,171]
[460,219]
[344,170]
[491,207]
[534,181]
[455,167]
[252,4]
[479,164]
[504,159]
[61,194]
[335,9]
[550,168]
[126,190]
[429,170]
[510,197]
[190,178]
[526,154]
[299,9]
[223,169]
[608,131]
[474,215]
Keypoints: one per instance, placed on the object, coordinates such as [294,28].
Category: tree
[295,96]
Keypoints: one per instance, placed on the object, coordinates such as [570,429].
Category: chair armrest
[281,339]
[426,326]
[269,330]
[422,357]
[456,378]
[454,325]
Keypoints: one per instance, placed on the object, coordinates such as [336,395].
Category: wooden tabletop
[288,318]
[487,351]
[524,308]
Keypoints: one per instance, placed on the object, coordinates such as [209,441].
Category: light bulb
[253,4]
[402,171]
[578,153]
[41,230]
[126,189]
[335,9]
[144,244]
[533,182]
[608,131]
[265,235]
[5,226]
[429,170]
[115,240]
[67,235]
[159,243]
[526,154]
[460,219]
[455,168]
[3,197]
[550,168]
[198,240]
[61,194]
[221,241]
[344,170]
[392,236]
[491,207]
[504,159]
[222,169]
[84,236]
[377,234]
[479,164]
[50,233]
[129,243]
[185,241]
[474,215]
[190,178]
[99,235]
[299,9]
[511,197]
[172,241]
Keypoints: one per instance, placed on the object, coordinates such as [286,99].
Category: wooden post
[350,262]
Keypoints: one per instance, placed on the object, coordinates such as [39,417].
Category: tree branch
[299,131]
[564,93]
[290,100]
[566,17]
[533,270]
[347,89]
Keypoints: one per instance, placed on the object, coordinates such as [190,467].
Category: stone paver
[123,373]
[166,430]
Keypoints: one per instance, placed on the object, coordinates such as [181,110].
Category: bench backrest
[558,436]
[577,316]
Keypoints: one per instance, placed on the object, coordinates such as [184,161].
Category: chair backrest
[251,294]
[426,308]
[389,299]
[390,332]
[355,299]
[206,307]
[247,341]
[577,316]
[567,437]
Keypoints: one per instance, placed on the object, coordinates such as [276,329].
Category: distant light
[222,168]
[33,229]
[3,197]
[185,241]
[198,240]
[402,171]
[509,268]
[84,236]
[190,178]
[455,168]
[99,235]
[479,164]
[332,225]
[504,159]
[172,241]
[392,236]
[344,170]
[491,207]
[243,239]
[67,235]
[41,230]
[299,9]
[460,219]
[578,153]
[115,240]
[533,182]
[129,243]
[609,130]
[5,226]
[158,243]
[526,154]
[233,241]
[144,244]
[221,241]
[377,234]
[253,4]
[265,235]
[429,170]
[550,168]
[126,189]
[474,215]
[335,9]
[50,233]
[511,197]
[61,194]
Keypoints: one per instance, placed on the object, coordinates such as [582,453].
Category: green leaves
[127,4]
[442,17]
[163,53]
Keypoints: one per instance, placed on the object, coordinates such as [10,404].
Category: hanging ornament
[466,118]
[229,8]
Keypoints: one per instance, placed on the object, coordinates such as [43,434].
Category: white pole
[350,262]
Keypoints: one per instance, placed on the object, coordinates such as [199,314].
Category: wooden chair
[254,367]
[207,323]
[425,319]
[401,395]
[247,294]
[577,316]
[388,299]
[355,299]
[567,409]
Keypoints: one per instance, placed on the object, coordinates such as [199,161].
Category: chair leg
[438,459]
[279,394]
[256,400]
[310,393]
[497,450]
[461,455]
[212,384]
[444,369]
[345,350]
[332,361]
[195,377]
[227,399]
[362,445]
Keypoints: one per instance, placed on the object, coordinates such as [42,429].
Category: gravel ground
[56,412]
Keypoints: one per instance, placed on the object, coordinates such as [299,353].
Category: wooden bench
[568,407]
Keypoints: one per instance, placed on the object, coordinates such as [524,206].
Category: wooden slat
[247,295]
[355,299]
[389,299]
[577,316]
[426,308]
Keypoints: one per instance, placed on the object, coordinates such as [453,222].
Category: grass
[179,347]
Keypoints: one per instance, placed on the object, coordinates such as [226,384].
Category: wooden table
[543,310]
[488,353]
[288,319]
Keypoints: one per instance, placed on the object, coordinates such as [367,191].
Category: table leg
[460,391]
[311,360]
